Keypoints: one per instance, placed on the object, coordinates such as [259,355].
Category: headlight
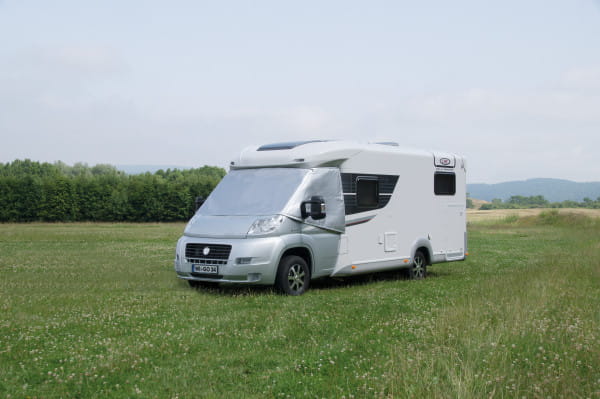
[265,225]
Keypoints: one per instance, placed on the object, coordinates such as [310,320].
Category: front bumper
[250,261]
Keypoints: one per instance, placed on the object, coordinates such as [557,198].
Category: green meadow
[95,310]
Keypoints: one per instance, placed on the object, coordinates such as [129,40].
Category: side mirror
[199,201]
[315,208]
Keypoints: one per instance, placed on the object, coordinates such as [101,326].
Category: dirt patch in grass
[477,203]
[474,216]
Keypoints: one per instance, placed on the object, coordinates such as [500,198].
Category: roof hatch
[287,146]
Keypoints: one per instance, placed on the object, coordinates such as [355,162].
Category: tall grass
[95,310]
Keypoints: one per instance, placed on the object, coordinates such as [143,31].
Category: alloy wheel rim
[296,278]
[418,267]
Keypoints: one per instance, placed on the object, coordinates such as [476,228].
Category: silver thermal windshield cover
[278,191]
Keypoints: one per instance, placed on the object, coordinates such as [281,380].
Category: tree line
[538,201]
[33,191]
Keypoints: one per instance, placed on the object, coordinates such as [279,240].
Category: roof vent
[390,143]
[287,146]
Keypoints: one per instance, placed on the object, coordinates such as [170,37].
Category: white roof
[316,153]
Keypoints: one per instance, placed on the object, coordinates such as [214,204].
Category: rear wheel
[418,270]
[293,275]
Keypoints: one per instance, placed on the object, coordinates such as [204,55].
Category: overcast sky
[512,85]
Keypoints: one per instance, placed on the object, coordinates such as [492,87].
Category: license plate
[206,269]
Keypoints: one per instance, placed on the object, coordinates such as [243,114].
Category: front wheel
[418,270]
[293,275]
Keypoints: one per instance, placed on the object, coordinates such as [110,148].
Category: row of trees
[538,201]
[33,191]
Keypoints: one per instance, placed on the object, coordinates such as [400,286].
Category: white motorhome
[287,213]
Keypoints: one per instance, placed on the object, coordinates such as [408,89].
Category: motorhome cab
[287,213]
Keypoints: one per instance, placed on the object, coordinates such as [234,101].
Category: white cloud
[53,65]
[73,103]
[583,78]
[480,105]
[306,119]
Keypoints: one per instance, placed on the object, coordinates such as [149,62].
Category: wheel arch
[424,246]
[302,252]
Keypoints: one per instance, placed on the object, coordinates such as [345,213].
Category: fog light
[252,277]
[243,261]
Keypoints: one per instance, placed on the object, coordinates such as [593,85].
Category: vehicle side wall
[413,218]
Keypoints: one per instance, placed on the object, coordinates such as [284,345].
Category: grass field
[95,310]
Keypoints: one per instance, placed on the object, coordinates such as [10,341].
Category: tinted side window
[444,184]
[367,192]
[385,186]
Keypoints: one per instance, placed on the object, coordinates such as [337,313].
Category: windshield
[255,192]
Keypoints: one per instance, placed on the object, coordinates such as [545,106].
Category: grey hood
[219,226]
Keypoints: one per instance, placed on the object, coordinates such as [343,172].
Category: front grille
[207,262]
[216,254]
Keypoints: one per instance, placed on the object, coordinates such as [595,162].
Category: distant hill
[554,190]
[139,169]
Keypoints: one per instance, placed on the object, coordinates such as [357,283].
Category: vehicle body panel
[268,184]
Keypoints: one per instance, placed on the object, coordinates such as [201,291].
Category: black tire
[293,276]
[418,269]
